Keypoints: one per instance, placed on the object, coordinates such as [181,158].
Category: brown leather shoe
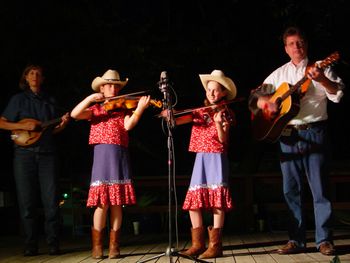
[290,248]
[327,249]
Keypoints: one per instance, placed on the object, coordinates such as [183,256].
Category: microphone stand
[167,104]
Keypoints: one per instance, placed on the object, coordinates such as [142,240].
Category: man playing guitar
[303,140]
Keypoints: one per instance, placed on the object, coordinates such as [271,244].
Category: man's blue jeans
[304,156]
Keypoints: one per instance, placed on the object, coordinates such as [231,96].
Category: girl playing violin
[209,189]
[111,185]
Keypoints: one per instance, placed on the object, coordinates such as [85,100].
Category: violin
[227,114]
[213,108]
[127,102]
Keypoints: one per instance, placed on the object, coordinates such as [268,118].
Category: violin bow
[122,96]
[204,107]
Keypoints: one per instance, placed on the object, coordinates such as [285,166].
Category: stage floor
[252,247]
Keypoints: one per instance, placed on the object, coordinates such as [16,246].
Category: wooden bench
[276,209]
[248,191]
[336,179]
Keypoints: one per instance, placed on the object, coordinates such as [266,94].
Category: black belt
[306,126]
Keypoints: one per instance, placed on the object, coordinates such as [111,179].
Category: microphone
[164,81]
[167,104]
[164,88]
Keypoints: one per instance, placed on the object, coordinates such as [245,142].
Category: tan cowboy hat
[219,76]
[110,76]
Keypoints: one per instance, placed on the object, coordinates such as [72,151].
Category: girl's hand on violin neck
[220,121]
[143,103]
[219,116]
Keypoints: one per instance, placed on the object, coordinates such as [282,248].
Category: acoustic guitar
[287,98]
[26,138]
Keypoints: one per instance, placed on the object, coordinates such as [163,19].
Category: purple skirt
[209,186]
[111,164]
[111,177]
[210,169]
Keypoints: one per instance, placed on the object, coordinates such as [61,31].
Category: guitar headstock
[328,61]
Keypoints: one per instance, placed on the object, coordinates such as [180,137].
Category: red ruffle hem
[111,194]
[208,198]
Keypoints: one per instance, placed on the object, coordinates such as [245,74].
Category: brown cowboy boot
[215,244]
[198,243]
[114,251]
[97,243]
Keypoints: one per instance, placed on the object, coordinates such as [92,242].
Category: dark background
[75,41]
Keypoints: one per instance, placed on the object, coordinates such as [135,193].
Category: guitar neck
[295,87]
[322,65]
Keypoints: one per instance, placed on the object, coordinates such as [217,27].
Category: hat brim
[98,82]
[224,81]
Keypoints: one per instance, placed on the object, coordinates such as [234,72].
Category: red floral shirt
[204,136]
[108,127]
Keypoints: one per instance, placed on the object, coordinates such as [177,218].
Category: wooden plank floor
[238,248]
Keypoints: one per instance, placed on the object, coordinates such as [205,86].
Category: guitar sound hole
[278,101]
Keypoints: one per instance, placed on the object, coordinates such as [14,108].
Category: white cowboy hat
[110,76]
[219,76]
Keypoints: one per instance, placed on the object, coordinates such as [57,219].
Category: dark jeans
[304,156]
[35,177]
